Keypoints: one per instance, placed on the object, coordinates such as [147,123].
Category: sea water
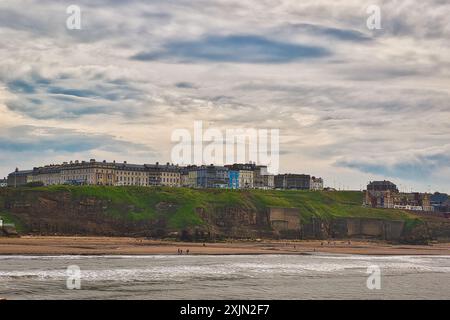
[225,277]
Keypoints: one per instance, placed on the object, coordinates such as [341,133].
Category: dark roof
[381,183]
[21,172]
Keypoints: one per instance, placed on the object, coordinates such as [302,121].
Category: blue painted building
[233,179]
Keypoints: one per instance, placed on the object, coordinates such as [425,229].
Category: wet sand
[29,245]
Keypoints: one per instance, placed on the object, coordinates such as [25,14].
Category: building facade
[384,194]
[99,173]
[245,179]
[170,176]
[268,182]
[382,186]
[233,179]
[293,181]
[440,201]
[246,174]
[262,179]
[316,184]
[192,178]
[130,174]
[89,173]
[48,175]
[236,176]
[19,178]
[212,177]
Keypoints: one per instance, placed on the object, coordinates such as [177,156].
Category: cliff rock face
[235,222]
[60,213]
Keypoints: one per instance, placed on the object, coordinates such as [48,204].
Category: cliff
[190,214]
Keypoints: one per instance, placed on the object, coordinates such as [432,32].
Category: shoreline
[101,246]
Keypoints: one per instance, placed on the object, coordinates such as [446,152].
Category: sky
[352,104]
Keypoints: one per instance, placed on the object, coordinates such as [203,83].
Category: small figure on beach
[187,251]
[204,244]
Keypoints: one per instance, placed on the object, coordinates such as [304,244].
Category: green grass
[326,205]
[179,204]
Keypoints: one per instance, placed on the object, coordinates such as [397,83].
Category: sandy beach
[30,245]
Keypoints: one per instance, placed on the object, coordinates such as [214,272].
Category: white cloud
[377,95]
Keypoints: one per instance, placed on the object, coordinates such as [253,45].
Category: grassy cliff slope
[143,203]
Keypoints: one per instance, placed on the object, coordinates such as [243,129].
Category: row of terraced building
[236,176]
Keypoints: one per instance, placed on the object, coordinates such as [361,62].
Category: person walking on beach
[187,251]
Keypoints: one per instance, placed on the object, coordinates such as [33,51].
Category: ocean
[317,276]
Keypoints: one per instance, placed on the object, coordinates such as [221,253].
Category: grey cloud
[44,139]
[416,167]
[325,31]
[64,97]
[338,92]
[185,85]
[234,48]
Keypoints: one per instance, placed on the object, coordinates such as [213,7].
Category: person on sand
[187,251]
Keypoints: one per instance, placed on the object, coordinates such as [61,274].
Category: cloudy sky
[351,104]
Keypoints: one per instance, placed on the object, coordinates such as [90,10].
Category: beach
[62,245]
